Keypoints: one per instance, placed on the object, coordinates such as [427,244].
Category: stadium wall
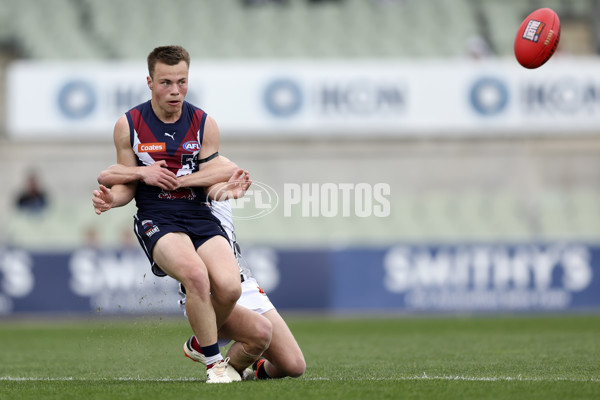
[523,277]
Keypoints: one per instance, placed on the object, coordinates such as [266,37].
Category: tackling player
[174,226]
[254,325]
[282,357]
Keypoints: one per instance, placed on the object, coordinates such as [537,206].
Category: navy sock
[210,351]
[260,369]
[212,354]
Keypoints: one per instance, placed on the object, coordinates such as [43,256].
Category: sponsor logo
[364,97]
[183,193]
[16,278]
[283,97]
[151,147]
[191,146]
[149,227]
[152,231]
[147,224]
[547,41]
[565,95]
[489,96]
[119,281]
[171,135]
[77,99]
[533,30]
[489,277]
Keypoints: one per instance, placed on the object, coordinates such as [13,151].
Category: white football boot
[222,372]
[194,355]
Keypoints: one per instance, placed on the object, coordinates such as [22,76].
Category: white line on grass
[397,378]
[459,378]
[70,378]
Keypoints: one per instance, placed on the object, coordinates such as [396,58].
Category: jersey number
[189,162]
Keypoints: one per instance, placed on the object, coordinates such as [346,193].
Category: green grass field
[502,357]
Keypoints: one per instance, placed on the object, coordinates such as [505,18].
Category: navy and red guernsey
[179,145]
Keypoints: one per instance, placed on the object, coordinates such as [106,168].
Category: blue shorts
[151,226]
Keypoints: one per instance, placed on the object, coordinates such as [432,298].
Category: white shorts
[254,298]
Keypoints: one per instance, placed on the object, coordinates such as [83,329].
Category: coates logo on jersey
[179,194]
[151,147]
[191,146]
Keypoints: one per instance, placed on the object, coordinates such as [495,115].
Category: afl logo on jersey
[191,146]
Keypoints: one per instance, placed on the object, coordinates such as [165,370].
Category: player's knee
[196,282]
[235,292]
[232,293]
[264,333]
[261,332]
[296,367]
[227,294]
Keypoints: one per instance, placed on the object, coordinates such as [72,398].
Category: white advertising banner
[288,99]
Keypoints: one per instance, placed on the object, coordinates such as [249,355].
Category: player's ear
[149,81]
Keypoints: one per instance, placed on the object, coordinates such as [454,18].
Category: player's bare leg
[284,356]
[223,271]
[176,256]
[251,341]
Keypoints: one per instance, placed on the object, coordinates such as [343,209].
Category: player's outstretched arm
[104,198]
[122,192]
[234,188]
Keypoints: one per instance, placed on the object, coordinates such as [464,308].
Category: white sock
[210,361]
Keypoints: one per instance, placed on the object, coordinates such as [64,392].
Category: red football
[537,38]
